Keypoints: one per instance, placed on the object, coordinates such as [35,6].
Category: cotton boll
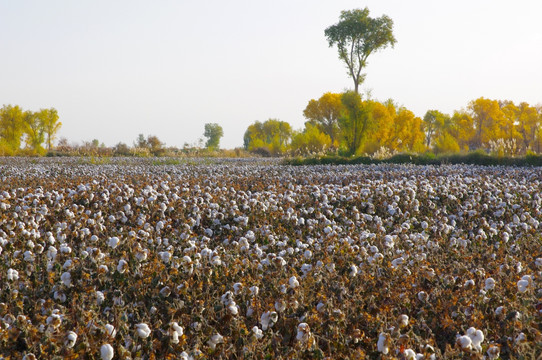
[175,331]
[477,338]
[66,278]
[409,354]
[521,338]
[493,352]
[122,265]
[110,330]
[258,333]
[13,275]
[353,270]
[538,262]
[464,342]
[522,285]
[71,338]
[237,287]
[280,305]
[100,297]
[143,330]
[303,332]
[293,282]
[113,242]
[383,343]
[106,352]
[215,340]
[233,308]
[254,290]
[402,321]
[489,284]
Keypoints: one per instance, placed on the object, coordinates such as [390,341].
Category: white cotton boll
[409,354]
[307,254]
[320,307]
[100,297]
[106,352]
[353,270]
[13,275]
[268,319]
[70,339]
[165,256]
[250,311]
[423,296]
[254,290]
[175,331]
[521,338]
[258,333]
[477,338]
[538,262]
[215,340]
[110,330]
[522,285]
[237,287]
[469,283]
[388,242]
[489,284]
[143,330]
[397,262]
[280,305]
[28,256]
[103,269]
[403,321]
[303,332]
[493,352]
[66,278]
[383,343]
[94,238]
[233,308]
[464,342]
[122,265]
[499,310]
[113,242]
[293,282]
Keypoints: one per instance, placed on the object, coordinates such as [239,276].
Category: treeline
[345,124]
[25,132]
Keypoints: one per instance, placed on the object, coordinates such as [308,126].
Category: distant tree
[155,146]
[407,134]
[121,149]
[141,142]
[489,121]
[355,121]
[213,133]
[357,36]
[309,141]
[11,129]
[273,135]
[51,125]
[434,124]
[34,131]
[325,113]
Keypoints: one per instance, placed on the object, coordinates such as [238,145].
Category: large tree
[272,135]
[34,131]
[325,113]
[51,125]
[213,133]
[357,36]
[11,129]
[355,122]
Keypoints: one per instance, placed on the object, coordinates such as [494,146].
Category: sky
[116,69]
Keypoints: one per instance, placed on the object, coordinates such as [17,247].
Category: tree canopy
[357,36]
[213,133]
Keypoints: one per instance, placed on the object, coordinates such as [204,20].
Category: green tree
[434,124]
[11,129]
[357,36]
[355,122]
[51,125]
[34,131]
[272,136]
[309,141]
[213,133]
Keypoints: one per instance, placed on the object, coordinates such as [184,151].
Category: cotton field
[138,259]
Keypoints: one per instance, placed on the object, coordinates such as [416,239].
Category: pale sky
[117,68]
